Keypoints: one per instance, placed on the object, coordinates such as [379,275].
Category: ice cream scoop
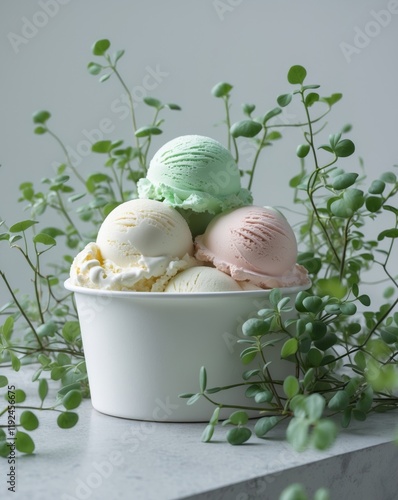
[253,244]
[197,173]
[202,279]
[147,228]
[140,245]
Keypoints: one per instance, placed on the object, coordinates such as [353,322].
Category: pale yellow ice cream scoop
[143,228]
[140,245]
[202,279]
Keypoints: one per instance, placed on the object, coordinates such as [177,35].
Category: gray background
[195,44]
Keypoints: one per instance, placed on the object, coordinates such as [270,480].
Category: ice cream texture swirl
[197,173]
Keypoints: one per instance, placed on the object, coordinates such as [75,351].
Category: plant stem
[150,137]
[342,263]
[260,147]
[20,308]
[298,125]
[68,159]
[119,186]
[132,112]
[38,292]
[270,381]
[313,178]
[63,210]
[239,407]
[379,322]
[228,122]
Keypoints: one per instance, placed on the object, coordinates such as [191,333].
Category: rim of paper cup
[184,295]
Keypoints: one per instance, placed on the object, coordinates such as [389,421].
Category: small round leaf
[43,389]
[264,425]
[344,148]
[252,390]
[67,419]
[302,150]
[377,187]
[344,181]
[254,327]
[72,399]
[291,386]
[20,396]
[174,107]
[388,177]
[294,491]
[101,147]
[248,108]
[311,98]
[238,435]
[221,89]
[326,342]
[271,114]
[44,239]
[373,203]
[207,433]
[313,304]
[314,357]
[296,75]
[214,417]
[202,379]
[388,233]
[339,401]
[28,420]
[192,400]
[41,116]
[24,443]
[284,99]
[247,355]
[317,329]
[314,405]
[22,226]
[94,68]
[324,434]
[151,101]
[348,308]
[245,128]
[40,130]
[263,397]
[239,418]
[146,131]
[100,47]
[289,347]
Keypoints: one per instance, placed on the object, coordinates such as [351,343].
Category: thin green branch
[20,308]
[260,147]
[67,156]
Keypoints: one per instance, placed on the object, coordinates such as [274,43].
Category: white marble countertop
[105,457]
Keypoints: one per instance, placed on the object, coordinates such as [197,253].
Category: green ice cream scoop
[194,173]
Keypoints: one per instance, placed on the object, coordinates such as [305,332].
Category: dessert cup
[143,349]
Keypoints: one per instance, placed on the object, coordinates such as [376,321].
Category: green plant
[343,354]
[40,333]
[296,491]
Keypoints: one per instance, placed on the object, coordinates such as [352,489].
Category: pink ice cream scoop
[254,244]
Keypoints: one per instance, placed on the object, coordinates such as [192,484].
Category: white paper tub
[143,349]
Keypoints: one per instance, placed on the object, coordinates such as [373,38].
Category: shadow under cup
[143,349]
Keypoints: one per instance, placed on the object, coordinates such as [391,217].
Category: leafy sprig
[100,49]
[344,358]
[41,329]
